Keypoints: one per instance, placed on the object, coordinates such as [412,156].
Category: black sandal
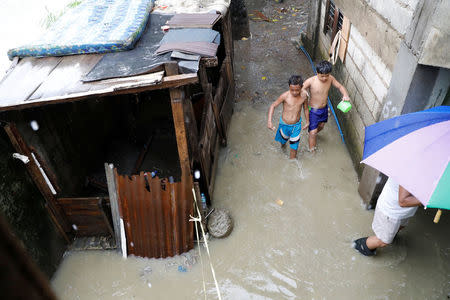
[361,246]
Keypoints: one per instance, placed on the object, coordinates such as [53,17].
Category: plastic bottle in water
[203,202]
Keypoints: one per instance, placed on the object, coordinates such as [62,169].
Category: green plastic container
[344,106]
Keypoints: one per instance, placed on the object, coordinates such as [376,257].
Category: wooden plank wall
[156,215]
[216,119]
[88,215]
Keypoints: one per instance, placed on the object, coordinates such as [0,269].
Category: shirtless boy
[319,87]
[290,120]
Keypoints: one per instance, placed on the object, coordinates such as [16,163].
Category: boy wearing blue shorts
[290,121]
[319,86]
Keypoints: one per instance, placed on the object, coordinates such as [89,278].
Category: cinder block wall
[378,27]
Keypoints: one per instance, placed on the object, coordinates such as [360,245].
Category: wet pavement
[296,248]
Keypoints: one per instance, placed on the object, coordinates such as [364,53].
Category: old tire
[220,223]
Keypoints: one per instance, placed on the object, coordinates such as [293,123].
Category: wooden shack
[116,156]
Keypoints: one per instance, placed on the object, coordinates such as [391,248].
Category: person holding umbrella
[394,207]
[413,149]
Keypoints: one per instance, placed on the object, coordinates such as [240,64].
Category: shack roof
[41,81]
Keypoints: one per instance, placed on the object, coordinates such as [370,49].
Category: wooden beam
[203,76]
[119,89]
[55,211]
[176,100]
[101,206]
[214,167]
[209,61]
[218,98]
[192,131]
[114,203]
[227,34]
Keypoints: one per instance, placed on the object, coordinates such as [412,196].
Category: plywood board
[345,34]
[25,78]
[66,75]
[202,48]
[193,20]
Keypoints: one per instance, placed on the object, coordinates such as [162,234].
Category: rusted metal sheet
[156,215]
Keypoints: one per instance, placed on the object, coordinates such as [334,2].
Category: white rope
[192,219]
[206,245]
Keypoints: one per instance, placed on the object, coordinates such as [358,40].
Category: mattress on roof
[95,26]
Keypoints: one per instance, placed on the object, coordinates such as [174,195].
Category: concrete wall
[397,13]
[378,31]
[366,72]
[434,44]
[23,207]
[397,62]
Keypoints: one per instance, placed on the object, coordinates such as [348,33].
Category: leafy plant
[52,17]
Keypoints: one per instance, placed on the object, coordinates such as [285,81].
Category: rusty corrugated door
[156,215]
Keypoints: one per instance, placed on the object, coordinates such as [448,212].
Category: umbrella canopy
[414,149]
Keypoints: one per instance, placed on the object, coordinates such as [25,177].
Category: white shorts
[386,228]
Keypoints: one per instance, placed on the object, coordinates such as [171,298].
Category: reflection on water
[301,249]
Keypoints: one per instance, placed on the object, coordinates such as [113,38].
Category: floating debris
[262,16]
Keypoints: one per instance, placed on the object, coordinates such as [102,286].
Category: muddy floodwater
[296,248]
[301,249]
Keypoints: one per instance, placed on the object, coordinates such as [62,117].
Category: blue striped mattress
[94,26]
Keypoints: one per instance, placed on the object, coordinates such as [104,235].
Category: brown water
[298,250]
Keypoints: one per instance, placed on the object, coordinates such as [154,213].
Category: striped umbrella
[414,149]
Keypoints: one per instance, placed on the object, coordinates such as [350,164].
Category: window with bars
[333,19]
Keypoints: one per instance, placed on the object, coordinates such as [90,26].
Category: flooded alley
[294,220]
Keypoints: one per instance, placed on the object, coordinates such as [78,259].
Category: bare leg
[320,127]
[312,139]
[293,154]
[373,242]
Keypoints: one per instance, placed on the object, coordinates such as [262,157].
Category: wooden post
[203,76]
[55,211]
[177,98]
[227,35]
[114,203]
[176,101]
[192,131]
[218,98]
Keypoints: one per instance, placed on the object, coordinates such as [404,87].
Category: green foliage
[52,17]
